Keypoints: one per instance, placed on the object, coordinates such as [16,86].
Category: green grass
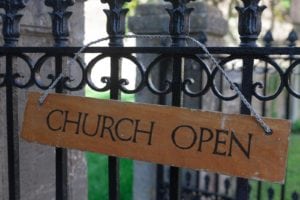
[293,173]
[98,165]
[98,177]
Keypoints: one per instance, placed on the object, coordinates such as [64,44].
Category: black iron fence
[248,58]
[268,88]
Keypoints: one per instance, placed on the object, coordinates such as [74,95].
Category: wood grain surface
[225,143]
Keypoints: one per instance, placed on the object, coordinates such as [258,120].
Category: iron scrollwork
[287,78]
[166,88]
[214,77]
[122,83]
[20,80]
[260,85]
[189,81]
[106,80]
[66,81]
[140,85]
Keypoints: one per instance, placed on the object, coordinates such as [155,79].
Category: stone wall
[37,162]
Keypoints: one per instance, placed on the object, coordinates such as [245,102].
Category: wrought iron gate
[179,85]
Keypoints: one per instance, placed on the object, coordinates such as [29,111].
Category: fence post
[116,21]
[11,33]
[249,29]
[178,28]
[116,30]
[60,23]
[11,21]
[249,22]
[60,31]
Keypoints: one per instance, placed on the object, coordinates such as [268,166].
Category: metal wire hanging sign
[155,133]
[259,119]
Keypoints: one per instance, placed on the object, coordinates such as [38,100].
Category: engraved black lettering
[85,122]
[50,115]
[149,132]
[120,135]
[69,121]
[191,131]
[245,151]
[219,141]
[203,138]
[108,123]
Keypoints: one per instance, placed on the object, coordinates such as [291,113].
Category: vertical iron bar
[292,38]
[60,31]
[161,101]
[249,28]
[268,39]
[200,105]
[113,162]
[12,135]
[61,155]
[175,178]
[11,33]
[282,192]
[159,182]
[263,112]
[247,78]
[115,28]
[198,185]
[287,116]
[178,29]
[220,106]
[114,178]
[61,174]
[259,186]
[216,186]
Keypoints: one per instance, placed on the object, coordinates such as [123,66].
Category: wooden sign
[229,144]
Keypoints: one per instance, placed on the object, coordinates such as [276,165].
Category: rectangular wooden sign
[224,143]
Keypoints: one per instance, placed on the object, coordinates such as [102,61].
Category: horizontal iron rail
[257,51]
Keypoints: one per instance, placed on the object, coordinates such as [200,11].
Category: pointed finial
[268,38]
[292,38]
[250,22]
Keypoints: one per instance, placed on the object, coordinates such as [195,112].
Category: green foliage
[280,9]
[105,95]
[285,3]
[98,164]
[98,177]
[296,126]
[132,6]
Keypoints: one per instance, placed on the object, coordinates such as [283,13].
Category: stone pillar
[295,16]
[37,162]
[153,19]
